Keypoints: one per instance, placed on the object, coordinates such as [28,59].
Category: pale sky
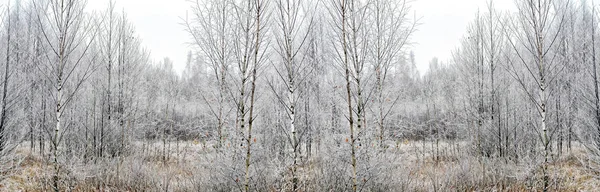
[443,23]
[158,23]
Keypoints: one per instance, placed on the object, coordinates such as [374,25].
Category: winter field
[413,166]
[299,95]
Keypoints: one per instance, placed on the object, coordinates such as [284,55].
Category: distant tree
[391,32]
[211,29]
[108,40]
[12,34]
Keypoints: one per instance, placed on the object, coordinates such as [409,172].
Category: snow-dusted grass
[415,168]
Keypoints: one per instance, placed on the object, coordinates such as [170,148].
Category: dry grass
[134,173]
[450,171]
[453,171]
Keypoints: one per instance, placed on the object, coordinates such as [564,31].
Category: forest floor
[455,170]
[449,170]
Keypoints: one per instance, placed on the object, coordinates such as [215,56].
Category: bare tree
[69,33]
[392,29]
[493,48]
[351,46]
[533,37]
[471,64]
[293,29]
[249,55]
[10,137]
[108,41]
[211,30]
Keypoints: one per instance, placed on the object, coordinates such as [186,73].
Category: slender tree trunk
[545,139]
[249,139]
[258,6]
[43,125]
[56,139]
[543,101]
[123,39]
[292,109]
[109,85]
[164,135]
[345,48]
[595,75]
[559,125]
[5,86]
[223,69]
[492,83]
[59,106]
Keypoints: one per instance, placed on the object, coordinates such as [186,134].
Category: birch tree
[68,33]
[249,55]
[533,37]
[349,26]
[293,28]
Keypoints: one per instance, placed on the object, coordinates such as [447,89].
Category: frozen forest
[299,95]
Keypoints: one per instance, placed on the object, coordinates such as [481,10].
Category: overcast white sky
[158,23]
[444,23]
